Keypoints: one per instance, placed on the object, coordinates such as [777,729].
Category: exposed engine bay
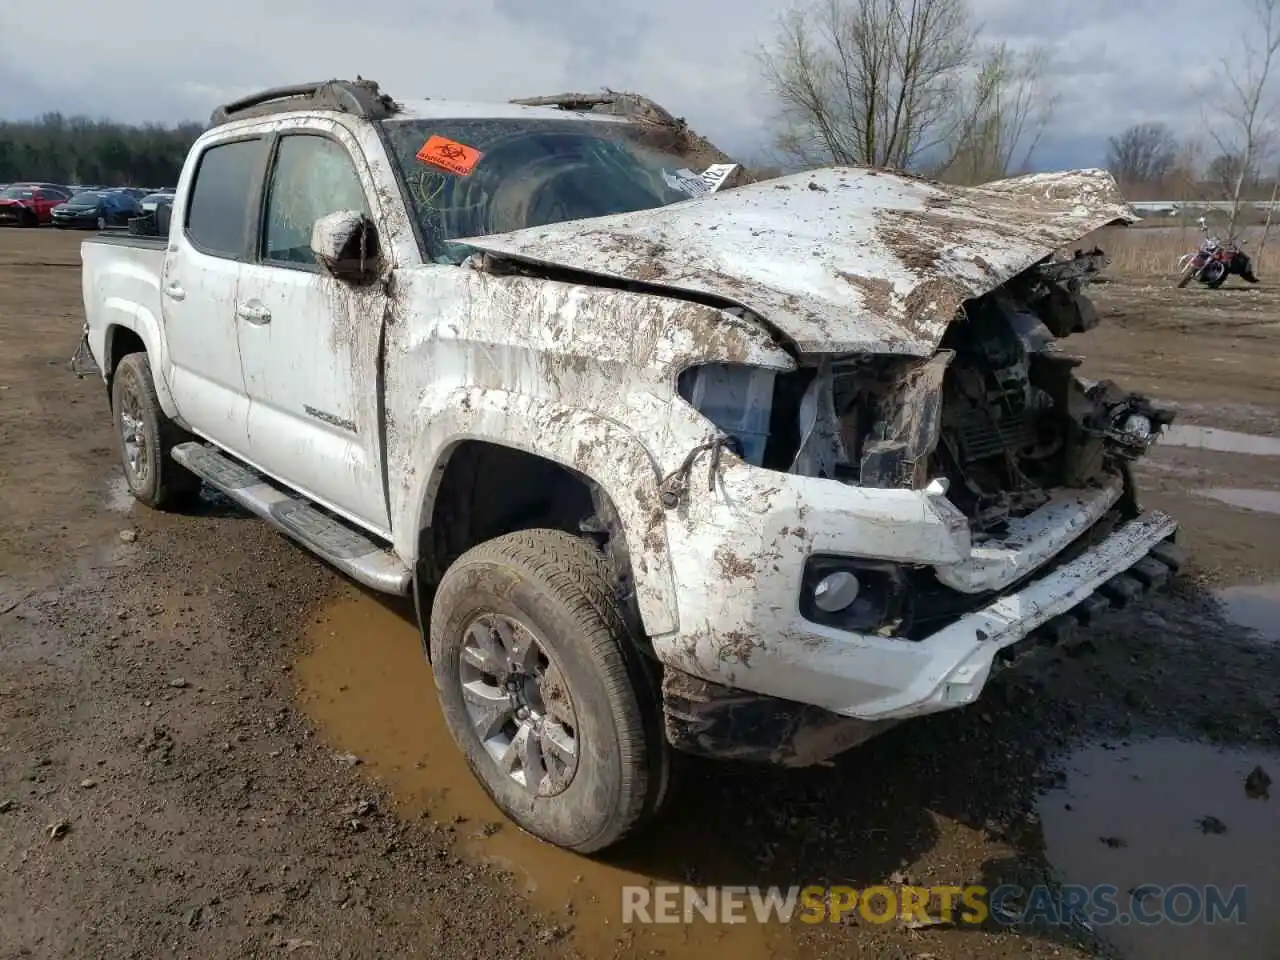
[995,419]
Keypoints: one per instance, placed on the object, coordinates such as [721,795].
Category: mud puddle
[1165,813]
[1219,441]
[366,685]
[1259,501]
[1256,606]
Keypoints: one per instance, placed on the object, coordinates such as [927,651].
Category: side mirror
[346,245]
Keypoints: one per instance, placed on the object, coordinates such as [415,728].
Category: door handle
[253,314]
[174,292]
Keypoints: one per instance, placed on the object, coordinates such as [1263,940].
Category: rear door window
[221,211]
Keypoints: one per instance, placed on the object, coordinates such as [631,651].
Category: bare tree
[1185,177]
[1249,134]
[1228,169]
[1271,210]
[867,81]
[1143,153]
[1000,116]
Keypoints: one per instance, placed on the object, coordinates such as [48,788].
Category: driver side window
[313,176]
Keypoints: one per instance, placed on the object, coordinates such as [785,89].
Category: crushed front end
[982,505]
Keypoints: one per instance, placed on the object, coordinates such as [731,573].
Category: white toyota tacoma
[748,471]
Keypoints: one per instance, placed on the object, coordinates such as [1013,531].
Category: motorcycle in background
[1214,261]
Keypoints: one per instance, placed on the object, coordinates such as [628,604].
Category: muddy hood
[841,259]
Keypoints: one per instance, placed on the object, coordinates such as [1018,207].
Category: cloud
[143,60]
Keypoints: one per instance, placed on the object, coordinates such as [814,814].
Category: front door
[309,344]
[198,289]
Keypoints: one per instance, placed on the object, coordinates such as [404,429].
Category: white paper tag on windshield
[685,181]
[700,184]
[717,175]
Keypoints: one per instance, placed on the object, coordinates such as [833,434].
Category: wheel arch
[130,329]
[585,458]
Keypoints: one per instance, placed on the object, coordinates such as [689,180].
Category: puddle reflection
[1164,813]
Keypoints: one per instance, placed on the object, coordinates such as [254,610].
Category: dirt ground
[211,745]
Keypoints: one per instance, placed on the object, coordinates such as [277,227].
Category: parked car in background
[161,198]
[97,208]
[28,204]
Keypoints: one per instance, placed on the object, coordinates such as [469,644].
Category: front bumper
[740,571]
[78,222]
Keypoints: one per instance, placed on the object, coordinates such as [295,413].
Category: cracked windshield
[529,173]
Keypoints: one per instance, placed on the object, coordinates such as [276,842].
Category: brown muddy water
[1219,441]
[368,687]
[1243,498]
[1164,813]
[1256,606]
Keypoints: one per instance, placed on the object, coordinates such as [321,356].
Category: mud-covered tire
[153,476]
[1185,277]
[560,588]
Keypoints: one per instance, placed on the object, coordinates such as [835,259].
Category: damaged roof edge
[360,97]
[697,149]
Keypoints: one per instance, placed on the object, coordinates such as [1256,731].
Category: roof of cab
[473,110]
[364,99]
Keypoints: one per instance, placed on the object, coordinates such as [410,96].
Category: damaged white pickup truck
[752,472]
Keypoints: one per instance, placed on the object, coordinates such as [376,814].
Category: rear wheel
[544,691]
[145,436]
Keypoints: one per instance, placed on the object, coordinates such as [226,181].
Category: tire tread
[577,575]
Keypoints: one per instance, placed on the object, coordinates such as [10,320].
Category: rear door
[217,233]
[309,344]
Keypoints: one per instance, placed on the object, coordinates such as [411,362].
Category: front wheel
[145,436]
[1188,272]
[544,691]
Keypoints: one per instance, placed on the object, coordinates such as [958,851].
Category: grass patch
[1135,252]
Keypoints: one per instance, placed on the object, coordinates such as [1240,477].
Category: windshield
[18,193]
[87,198]
[492,176]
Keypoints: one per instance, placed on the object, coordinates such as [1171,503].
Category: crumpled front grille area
[980,434]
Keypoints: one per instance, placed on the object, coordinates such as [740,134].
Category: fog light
[835,591]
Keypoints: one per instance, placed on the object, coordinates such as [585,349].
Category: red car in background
[29,204]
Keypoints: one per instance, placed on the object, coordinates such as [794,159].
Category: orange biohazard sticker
[450,155]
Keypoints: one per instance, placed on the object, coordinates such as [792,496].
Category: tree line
[70,150]
[914,85]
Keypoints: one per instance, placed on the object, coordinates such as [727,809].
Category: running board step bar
[350,550]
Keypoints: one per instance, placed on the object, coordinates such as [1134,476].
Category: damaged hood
[839,260]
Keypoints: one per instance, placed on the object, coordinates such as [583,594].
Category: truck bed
[120,239]
[120,283]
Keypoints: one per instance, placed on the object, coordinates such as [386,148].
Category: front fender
[603,450]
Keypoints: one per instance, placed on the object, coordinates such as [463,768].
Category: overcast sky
[136,60]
